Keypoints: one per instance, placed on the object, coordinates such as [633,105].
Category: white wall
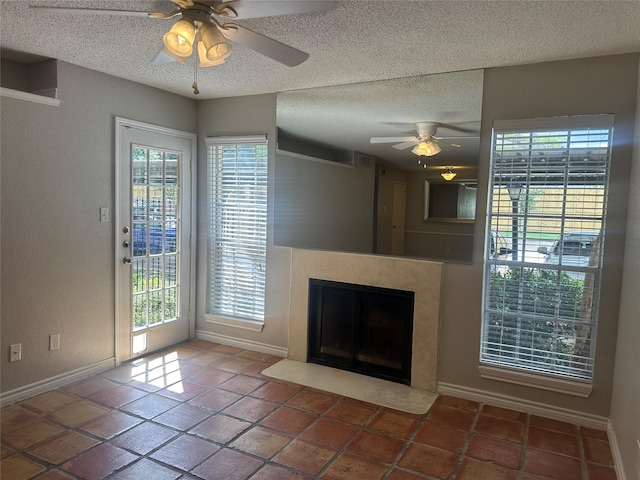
[625,403]
[57,258]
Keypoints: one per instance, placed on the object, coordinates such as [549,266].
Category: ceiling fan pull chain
[195,78]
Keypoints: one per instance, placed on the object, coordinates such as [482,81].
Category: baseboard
[549,411]
[527,406]
[615,452]
[62,380]
[241,343]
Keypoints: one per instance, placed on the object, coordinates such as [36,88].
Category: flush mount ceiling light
[428,148]
[449,174]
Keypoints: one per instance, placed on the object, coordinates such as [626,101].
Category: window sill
[235,322]
[566,386]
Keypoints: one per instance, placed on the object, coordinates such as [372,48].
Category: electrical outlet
[54,341]
[15,352]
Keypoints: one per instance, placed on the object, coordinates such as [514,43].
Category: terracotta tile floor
[204,411]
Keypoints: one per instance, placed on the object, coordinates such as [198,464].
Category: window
[237,182]
[545,235]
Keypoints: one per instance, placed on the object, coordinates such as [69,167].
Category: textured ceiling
[359,41]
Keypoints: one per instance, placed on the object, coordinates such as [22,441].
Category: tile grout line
[523,448]
[465,446]
[407,443]
[583,461]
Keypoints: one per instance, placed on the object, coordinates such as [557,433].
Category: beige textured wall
[574,87]
[322,204]
[550,89]
[57,258]
[243,116]
[625,404]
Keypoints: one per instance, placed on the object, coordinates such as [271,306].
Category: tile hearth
[205,411]
[353,385]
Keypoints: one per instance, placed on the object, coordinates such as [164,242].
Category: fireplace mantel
[419,276]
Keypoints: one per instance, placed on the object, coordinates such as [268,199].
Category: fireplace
[363,329]
[420,276]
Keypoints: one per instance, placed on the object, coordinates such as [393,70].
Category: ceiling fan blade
[266,46]
[101,11]
[392,139]
[458,128]
[405,145]
[456,136]
[183,3]
[268,8]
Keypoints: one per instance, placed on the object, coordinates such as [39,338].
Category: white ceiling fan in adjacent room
[202,28]
[425,143]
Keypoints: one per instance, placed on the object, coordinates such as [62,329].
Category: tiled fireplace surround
[422,277]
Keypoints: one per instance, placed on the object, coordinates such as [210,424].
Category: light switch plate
[104,214]
[15,352]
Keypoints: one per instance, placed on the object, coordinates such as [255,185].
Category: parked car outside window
[499,248]
[573,248]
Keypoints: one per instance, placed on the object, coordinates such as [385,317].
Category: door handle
[126,260]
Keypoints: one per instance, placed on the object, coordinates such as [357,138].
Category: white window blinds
[237,226]
[545,234]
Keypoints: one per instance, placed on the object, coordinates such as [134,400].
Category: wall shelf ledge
[29,97]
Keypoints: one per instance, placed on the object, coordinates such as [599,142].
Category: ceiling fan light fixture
[179,39]
[215,45]
[202,56]
[428,148]
[449,174]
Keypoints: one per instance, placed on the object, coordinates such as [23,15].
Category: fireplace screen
[362,329]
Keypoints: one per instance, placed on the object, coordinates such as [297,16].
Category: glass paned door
[155,215]
[153,239]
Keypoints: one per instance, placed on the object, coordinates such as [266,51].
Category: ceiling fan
[425,143]
[201,27]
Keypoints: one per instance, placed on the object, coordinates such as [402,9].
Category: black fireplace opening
[361,328]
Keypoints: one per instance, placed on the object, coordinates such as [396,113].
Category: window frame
[212,314]
[513,372]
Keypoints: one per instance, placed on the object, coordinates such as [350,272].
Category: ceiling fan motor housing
[426,129]
[198,14]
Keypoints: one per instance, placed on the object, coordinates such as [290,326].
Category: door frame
[121,122]
[394,216]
